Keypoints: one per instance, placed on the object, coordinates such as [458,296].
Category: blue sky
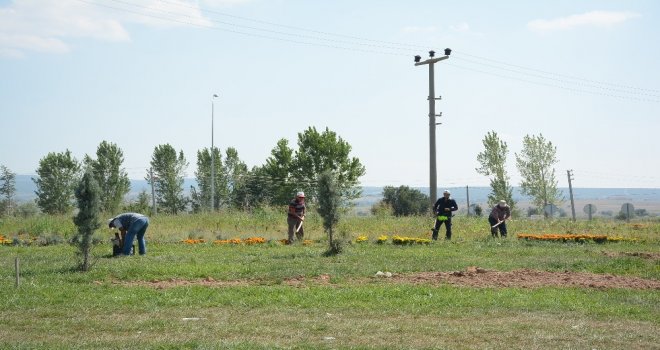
[141,73]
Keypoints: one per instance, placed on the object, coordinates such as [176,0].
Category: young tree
[493,162]
[405,201]
[329,202]
[319,152]
[87,219]
[535,164]
[7,190]
[58,175]
[112,179]
[169,172]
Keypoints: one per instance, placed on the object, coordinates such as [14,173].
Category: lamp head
[417,58]
[447,51]
[431,53]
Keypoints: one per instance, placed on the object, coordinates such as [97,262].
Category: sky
[142,73]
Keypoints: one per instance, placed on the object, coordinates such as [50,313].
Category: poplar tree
[169,172]
[7,190]
[202,194]
[279,169]
[493,164]
[111,177]
[535,164]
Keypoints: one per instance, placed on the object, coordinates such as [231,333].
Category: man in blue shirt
[131,225]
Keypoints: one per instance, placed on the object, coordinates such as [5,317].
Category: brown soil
[471,277]
[526,278]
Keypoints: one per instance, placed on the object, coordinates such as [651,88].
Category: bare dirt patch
[527,278]
[471,277]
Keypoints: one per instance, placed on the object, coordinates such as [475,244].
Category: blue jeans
[137,228]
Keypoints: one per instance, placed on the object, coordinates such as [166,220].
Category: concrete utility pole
[570,190]
[212,158]
[153,192]
[467,193]
[432,124]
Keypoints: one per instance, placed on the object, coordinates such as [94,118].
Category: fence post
[18,272]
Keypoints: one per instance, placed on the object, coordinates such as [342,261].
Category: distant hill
[25,189]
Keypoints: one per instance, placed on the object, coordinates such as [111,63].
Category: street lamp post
[432,124]
[212,156]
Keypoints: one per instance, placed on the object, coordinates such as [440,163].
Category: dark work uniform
[439,209]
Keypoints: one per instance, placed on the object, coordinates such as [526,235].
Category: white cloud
[461,27]
[593,18]
[47,25]
[44,26]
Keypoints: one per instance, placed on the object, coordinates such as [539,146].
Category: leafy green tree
[254,190]
[88,196]
[493,162]
[279,169]
[58,175]
[169,172]
[320,152]
[329,203]
[235,174]
[7,190]
[535,164]
[201,196]
[405,201]
[108,173]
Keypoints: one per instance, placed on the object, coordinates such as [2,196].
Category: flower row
[5,240]
[570,237]
[246,241]
[399,240]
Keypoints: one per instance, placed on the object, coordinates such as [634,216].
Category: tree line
[284,172]
[535,163]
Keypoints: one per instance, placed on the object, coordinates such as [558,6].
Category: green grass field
[274,296]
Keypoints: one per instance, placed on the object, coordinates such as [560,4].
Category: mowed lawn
[274,296]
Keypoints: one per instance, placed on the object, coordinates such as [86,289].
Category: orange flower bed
[248,241]
[254,240]
[193,241]
[5,240]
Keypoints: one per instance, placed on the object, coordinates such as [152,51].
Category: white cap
[447,192]
[502,203]
[300,194]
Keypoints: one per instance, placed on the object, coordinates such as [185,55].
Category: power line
[300,28]
[555,86]
[562,75]
[586,85]
[396,50]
